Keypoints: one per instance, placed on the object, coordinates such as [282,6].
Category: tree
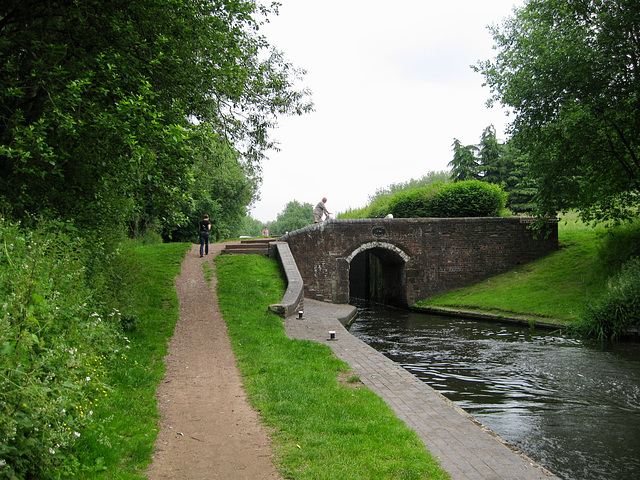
[491,161]
[519,185]
[570,71]
[464,165]
[294,216]
[102,103]
[223,188]
[251,227]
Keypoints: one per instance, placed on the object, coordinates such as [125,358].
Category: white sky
[392,88]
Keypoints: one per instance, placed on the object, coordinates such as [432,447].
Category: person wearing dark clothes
[204,229]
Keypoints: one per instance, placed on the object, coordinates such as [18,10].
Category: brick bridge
[402,261]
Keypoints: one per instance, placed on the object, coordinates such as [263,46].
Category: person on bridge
[320,210]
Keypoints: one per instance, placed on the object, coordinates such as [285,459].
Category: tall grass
[323,428]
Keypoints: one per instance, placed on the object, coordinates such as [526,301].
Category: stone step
[249,250]
[266,240]
[248,247]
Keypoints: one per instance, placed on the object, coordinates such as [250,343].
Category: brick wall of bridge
[438,255]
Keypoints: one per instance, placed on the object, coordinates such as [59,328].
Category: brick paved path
[466,449]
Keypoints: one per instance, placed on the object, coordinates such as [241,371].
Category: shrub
[621,243]
[414,203]
[471,198]
[610,316]
[54,340]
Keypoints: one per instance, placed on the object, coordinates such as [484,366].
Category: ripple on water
[571,405]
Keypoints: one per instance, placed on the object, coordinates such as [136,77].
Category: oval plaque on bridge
[378,231]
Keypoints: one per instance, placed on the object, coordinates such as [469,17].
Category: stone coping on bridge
[293,300]
[321,225]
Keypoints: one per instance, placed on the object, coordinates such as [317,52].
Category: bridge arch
[377,272]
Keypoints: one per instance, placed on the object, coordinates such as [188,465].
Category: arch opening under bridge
[377,273]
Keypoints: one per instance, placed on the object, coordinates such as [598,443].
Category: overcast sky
[392,87]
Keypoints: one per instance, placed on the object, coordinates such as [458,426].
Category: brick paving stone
[466,450]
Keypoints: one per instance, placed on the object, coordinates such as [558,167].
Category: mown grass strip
[323,428]
[556,287]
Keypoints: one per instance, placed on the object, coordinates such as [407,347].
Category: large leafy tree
[223,188]
[570,71]
[102,103]
[294,216]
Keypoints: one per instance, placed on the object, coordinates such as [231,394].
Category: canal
[571,405]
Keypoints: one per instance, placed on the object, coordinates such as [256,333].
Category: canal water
[571,405]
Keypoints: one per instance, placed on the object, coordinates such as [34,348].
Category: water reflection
[573,406]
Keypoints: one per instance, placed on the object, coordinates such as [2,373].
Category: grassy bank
[324,427]
[558,288]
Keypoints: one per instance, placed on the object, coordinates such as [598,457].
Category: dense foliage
[609,316]
[499,163]
[470,198]
[294,216]
[570,72]
[56,338]
[119,117]
[414,203]
[108,110]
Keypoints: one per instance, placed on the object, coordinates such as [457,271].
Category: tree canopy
[294,216]
[106,108]
[570,72]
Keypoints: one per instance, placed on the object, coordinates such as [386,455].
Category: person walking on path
[204,229]
[320,210]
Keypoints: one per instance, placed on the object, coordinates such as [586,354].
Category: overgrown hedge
[471,198]
[55,340]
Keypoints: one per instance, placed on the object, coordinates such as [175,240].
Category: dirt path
[207,429]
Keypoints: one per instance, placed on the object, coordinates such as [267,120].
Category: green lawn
[555,288]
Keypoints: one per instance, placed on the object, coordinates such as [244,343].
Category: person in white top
[320,210]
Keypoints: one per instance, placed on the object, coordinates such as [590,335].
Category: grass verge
[323,428]
[121,449]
